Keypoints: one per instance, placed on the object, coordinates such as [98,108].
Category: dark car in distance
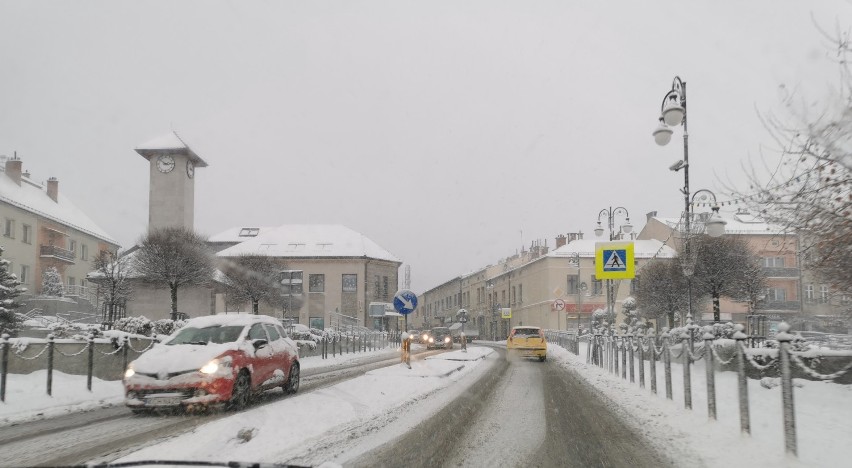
[439,337]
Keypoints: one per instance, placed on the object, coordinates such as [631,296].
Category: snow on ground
[823,415]
[27,399]
[336,422]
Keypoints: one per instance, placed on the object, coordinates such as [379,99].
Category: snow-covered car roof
[240,319]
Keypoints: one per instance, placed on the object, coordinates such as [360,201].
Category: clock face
[190,169]
[165,163]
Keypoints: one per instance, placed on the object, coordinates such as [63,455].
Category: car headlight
[129,372]
[211,367]
[447,339]
[431,340]
[425,337]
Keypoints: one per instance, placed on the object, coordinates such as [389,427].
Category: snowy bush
[167,326]
[135,325]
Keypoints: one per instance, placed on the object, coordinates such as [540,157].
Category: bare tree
[174,257]
[726,267]
[110,273]
[662,292]
[252,278]
[808,189]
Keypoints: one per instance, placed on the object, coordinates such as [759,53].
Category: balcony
[57,252]
[781,272]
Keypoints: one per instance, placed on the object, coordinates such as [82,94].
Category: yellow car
[527,342]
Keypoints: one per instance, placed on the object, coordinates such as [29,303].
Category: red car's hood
[178,358]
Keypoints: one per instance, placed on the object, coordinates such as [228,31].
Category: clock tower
[171,202]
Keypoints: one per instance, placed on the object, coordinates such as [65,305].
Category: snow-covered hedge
[143,326]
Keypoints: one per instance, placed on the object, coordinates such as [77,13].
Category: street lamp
[625,228]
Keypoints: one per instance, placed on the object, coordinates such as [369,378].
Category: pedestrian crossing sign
[614,260]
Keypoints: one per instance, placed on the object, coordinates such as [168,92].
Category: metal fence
[626,353]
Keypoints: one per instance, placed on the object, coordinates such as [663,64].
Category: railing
[633,349]
[781,272]
[57,252]
[84,292]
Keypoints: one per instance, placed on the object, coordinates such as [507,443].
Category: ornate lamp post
[625,228]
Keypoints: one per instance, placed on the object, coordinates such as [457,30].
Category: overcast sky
[452,133]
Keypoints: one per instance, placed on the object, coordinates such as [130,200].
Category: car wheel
[141,412]
[293,380]
[241,392]
[542,358]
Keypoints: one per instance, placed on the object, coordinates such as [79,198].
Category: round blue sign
[405,301]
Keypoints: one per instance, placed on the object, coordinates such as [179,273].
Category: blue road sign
[615,260]
[405,301]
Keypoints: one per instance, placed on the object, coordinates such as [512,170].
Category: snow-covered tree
[51,283]
[174,257]
[663,292]
[10,288]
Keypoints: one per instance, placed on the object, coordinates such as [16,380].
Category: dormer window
[249,232]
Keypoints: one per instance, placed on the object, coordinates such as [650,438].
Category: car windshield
[202,336]
[619,232]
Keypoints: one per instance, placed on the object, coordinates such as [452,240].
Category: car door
[261,362]
[281,356]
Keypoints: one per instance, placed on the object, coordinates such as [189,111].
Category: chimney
[650,214]
[561,240]
[53,189]
[13,169]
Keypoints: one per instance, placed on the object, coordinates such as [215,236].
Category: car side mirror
[259,344]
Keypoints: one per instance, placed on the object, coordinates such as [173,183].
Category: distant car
[213,360]
[527,342]
[415,335]
[440,337]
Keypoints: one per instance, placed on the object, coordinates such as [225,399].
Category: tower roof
[169,143]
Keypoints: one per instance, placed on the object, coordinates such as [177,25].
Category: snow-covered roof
[737,223]
[308,241]
[168,142]
[649,248]
[32,197]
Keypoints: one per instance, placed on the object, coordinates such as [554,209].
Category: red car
[213,360]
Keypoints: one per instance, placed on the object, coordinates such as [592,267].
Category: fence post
[652,340]
[745,423]
[630,354]
[125,344]
[91,363]
[641,337]
[667,363]
[50,364]
[687,377]
[784,339]
[615,353]
[5,369]
[711,375]
[347,344]
[623,356]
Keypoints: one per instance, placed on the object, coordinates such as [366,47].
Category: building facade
[42,228]
[537,287]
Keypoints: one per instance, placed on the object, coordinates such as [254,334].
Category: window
[9,230]
[514,296]
[28,234]
[317,322]
[25,274]
[823,294]
[385,287]
[597,286]
[72,246]
[776,294]
[84,252]
[257,332]
[273,333]
[773,262]
[634,284]
[350,283]
[72,281]
[809,293]
[291,282]
[249,232]
[520,293]
[316,283]
[573,284]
